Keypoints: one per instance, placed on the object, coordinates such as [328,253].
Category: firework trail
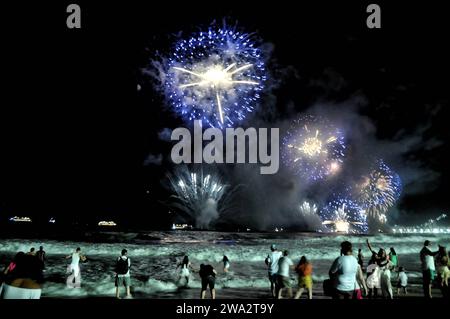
[313,148]
[216,76]
[344,216]
[378,191]
[201,197]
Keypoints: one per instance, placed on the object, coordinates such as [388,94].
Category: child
[304,271]
[402,281]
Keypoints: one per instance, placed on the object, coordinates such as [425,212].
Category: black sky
[75,133]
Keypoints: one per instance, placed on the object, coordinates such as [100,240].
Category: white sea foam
[154,272]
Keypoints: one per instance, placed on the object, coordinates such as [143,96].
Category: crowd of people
[349,277]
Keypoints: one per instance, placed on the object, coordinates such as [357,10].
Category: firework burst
[201,197]
[313,148]
[344,216]
[215,76]
[307,209]
[310,216]
[378,191]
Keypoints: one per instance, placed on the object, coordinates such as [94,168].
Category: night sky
[75,133]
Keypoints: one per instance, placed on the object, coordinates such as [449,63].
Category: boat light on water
[107,223]
[23,219]
[181,226]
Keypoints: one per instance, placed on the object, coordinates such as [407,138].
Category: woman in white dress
[185,273]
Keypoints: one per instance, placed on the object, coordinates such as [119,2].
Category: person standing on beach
[283,279]
[360,258]
[272,262]
[428,268]
[402,281]
[385,277]
[373,279]
[443,272]
[184,273]
[385,271]
[304,271]
[226,263]
[393,258]
[123,265]
[41,256]
[208,275]
[360,284]
[344,270]
[74,279]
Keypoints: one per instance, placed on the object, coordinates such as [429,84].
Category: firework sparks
[198,196]
[218,79]
[215,76]
[344,216]
[313,148]
[310,216]
[313,145]
[378,191]
[307,209]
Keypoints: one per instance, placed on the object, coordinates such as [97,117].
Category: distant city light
[426,228]
[438,230]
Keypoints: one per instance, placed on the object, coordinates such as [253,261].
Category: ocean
[154,257]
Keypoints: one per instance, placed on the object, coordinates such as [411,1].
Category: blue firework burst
[215,76]
[378,190]
[313,148]
[344,216]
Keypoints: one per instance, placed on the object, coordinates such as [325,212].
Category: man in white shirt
[272,263]
[283,279]
[74,279]
[123,273]
[344,270]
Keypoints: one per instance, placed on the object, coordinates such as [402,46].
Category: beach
[154,257]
